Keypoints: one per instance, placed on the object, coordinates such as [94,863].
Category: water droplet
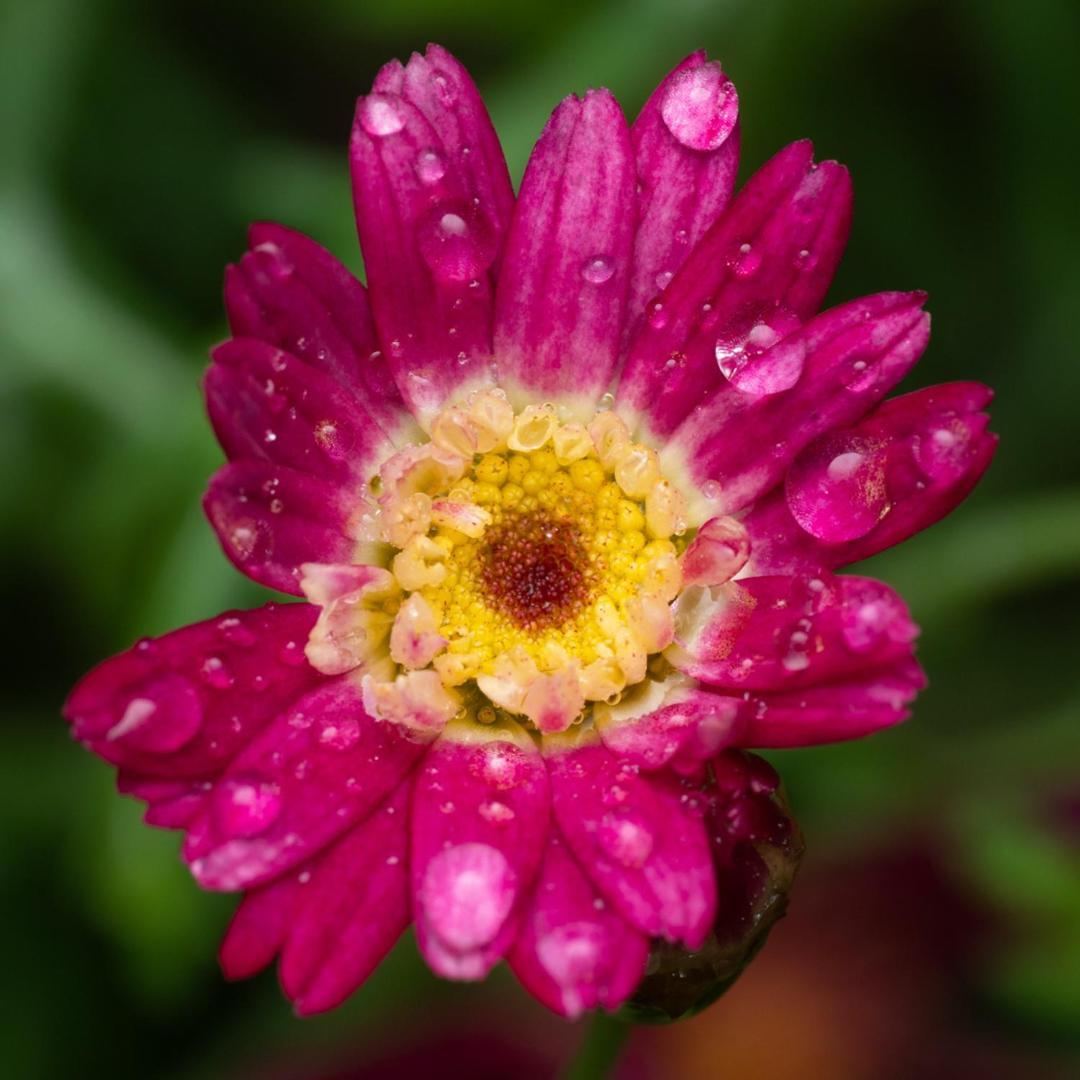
[500,765]
[573,954]
[292,653]
[214,673]
[444,89]
[754,353]
[836,488]
[700,107]
[161,715]
[380,115]
[658,317]
[456,241]
[246,806]
[748,262]
[430,167]
[236,633]
[340,732]
[330,439]
[805,259]
[626,839]
[597,269]
[498,813]
[466,894]
[663,279]
[942,449]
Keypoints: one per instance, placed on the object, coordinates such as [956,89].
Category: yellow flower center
[535,561]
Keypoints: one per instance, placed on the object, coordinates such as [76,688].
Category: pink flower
[565,489]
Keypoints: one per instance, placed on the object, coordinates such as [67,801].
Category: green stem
[599,1049]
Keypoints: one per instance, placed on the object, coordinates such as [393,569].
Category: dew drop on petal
[215,673]
[700,107]
[500,765]
[755,353]
[836,488]
[597,269]
[572,954]
[456,241]
[495,812]
[430,166]
[339,732]
[161,715]
[466,895]
[626,839]
[380,116]
[246,806]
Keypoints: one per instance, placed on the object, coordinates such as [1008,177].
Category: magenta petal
[351,910]
[170,804]
[736,447]
[686,143]
[268,405]
[680,731]
[562,290]
[480,819]
[440,87]
[640,838]
[259,927]
[180,707]
[271,519]
[318,768]
[849,709]
[572,952]
[771,633]
[754,277]
[289,292]
[928,450]
[429,235]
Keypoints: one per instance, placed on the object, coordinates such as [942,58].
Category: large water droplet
[468,891]
[380,115]
[495,812]
[430,166]
[215,673]
[573,954]
[250,539]
[340,732]
[700,107]
[755,354]
[836,488]
[626,839]
[597,269]
[942,449]
[456,241]
[246,806]
[500,765]
[161,715]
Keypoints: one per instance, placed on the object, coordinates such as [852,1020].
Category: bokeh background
[936,926]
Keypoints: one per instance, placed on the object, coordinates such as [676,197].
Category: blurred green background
[936,928]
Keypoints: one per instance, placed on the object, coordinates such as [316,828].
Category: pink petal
[480,819]
[440,87]
[639,838]
[267,405]
[351,911]
[681,730]
[573,953]
[317,769]
[771,633]
[170,804]
[931,447]
[271,519]
[259,927]
[178,708]
[856,706]
[561,296]
[686,143]
[735,447]
[290,293]
[759,272]
[431,227]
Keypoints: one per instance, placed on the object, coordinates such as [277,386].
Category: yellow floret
[492,469]
[587,474]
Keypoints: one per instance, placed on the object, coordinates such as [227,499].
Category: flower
[564,490]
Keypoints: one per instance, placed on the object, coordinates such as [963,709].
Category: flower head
[564,490]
